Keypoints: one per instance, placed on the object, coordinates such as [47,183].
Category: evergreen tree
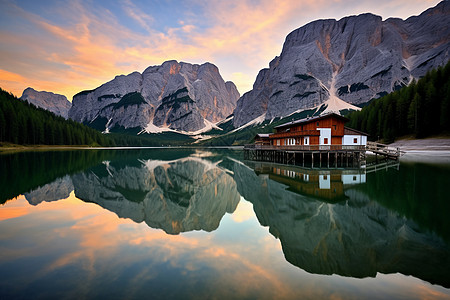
[421,109]
[2,126]
[23,123]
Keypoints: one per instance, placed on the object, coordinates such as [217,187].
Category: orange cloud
[10,76]
[92,47]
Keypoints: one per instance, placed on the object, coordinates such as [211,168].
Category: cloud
[88,45]
[10,76]
[141,18]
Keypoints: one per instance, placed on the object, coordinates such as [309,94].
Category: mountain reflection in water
[177,196]
[328,221]
[357,237]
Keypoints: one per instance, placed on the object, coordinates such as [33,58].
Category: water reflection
[324,184]
[177,196]
[347,222]
[54,191]
[357,237]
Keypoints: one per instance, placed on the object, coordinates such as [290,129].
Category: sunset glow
[66,47]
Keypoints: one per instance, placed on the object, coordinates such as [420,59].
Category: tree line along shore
[419,110]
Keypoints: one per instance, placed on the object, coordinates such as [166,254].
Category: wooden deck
[384,150]
[323,155]
[308,155]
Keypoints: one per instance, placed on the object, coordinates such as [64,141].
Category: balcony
[292,134]
[307,147]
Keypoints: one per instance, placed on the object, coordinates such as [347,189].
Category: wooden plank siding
[336,140]
[309,128]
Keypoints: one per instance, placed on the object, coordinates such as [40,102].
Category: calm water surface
[162,223]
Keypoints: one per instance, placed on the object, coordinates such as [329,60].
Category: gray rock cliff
[354,59]
[57,104]
[175,95]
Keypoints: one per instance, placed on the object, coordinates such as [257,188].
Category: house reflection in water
[326,185]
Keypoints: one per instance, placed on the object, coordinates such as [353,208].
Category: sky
[69,46]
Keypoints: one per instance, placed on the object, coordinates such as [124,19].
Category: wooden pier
[338,156]
[384,150]
[308,155]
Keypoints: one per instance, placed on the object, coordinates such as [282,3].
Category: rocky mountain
[173,96]
[355,59]
[57,104]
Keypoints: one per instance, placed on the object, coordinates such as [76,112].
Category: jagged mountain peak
[57,104]
[354,59]
[176,96]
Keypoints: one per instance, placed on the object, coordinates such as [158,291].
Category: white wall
[324,133]
[324,182]
[353,178]
[349,139]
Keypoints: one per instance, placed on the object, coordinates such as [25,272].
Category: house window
[334,126]
[317,123]
[325,141]
[355,141]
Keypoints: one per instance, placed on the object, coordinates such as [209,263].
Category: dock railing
[383,149]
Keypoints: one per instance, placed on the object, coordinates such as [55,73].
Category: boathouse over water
[322,139]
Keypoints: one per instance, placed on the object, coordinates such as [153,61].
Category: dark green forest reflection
[417,191]
[342,222]
[368,228]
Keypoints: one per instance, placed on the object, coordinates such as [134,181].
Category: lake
[206,224]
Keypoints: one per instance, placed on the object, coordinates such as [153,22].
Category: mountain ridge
[175,96]
[355,59]
[57,104]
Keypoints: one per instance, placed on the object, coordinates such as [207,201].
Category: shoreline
[418,146]
[10,148]
[429,150]
[428,144]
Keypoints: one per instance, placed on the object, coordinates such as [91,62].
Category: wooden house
[327,129]
[322,139]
